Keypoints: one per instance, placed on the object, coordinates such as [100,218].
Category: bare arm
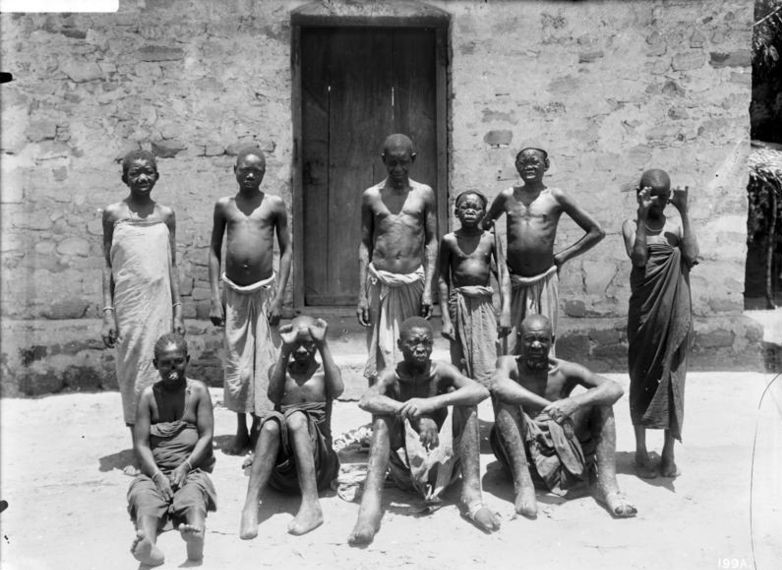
[594,233]
[215,253]
[141,434]
[284,243]
[375,400]
[444,283]
[109,330]
[364,255]
[503,277]
[278,372]
[600,391]
[467,392]
[496,209]
[635,237]
[331,372]
[205,423]
[509,391]
[173,275]
[430,253]
[689,244]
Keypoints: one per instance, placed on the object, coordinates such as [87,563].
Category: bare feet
[239,445]
[146,551]
[194,537]
[668,468]
[482,518]
[249,526]
[526,503]
[309,517]
[364,532]
[248,461]
[618,506]
[643,466]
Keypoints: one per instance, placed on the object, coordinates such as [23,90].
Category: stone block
[82,379]
[611,351]
[160,53]
[201,294]
[605,336]
[697,39]
[186,286]
[31,354]
[167,148]
[74,246]
[71,309]
[657,44]
[590,56]
[688,61]
[737,58]
[37,383]
[575,309]
[715,339]
[573,347]
[76,346]
[498,138]
[41,130]
[81,71]
[202,309]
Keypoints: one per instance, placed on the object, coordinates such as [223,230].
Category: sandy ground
[61,459]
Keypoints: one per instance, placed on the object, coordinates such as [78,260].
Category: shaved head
[398,142]
[135,155]
[169,341]
[301,325]
[533,322]
[655,178]
[533,148]
[415,323]
[250,150]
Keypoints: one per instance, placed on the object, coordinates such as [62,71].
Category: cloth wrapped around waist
[267,283]
[173,442]
[520,281]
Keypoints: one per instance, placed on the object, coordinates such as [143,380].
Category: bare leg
[470,456]
[254,432]
[242,438]
[509,422]
[369,513]
[265,455]
[144,547]
[668,466]
[310,515]
[604,430]
[643,464]
[132,468]
[192,533]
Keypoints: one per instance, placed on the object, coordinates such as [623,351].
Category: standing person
[659,321]
[253,302]
[397,254]
[533,211]
[140,284]
[470,322]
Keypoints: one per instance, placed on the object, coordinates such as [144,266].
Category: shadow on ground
[118,460]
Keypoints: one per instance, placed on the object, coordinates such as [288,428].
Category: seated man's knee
[296,421]
[271,427]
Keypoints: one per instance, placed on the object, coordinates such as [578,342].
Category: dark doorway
[357,85]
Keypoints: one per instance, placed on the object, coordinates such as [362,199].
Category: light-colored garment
[393,298]
[251,346]
[475,323]
[140,263]
[538,295]
[423,471]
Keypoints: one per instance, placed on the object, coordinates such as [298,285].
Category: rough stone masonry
[609,87]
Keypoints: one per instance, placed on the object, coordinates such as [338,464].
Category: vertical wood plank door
[358,85]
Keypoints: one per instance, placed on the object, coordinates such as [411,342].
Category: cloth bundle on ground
[475,323]
[284,476]
[553,449]
[393,298]
[140,256]
[251,346]
[533,295]
[658,330]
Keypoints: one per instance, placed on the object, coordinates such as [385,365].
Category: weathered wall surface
[610,88]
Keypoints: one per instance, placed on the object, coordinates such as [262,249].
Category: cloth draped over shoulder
[530,296]
[553,448]
[393,298]
[140,257]
[658,330]
[475,323]
[284,476]
[251,346]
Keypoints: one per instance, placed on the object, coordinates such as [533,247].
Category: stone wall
[610,88]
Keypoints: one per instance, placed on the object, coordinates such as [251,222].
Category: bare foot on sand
[526,503]
[618,506]
[483,518]
[249,526]
[643,466]
[363,533]
[248,461]
[145,551]
[308,518]
[668,468]
[194,537]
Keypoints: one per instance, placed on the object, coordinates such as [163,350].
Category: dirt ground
[61,460]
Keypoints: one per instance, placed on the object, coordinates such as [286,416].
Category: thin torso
[470,256]
[551,384]
[306,386]
[399,220]
[249,230]
[170,406]
[532,220]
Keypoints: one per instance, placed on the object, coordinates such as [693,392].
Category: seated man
[173,434]
[293,452]
[563,435]
[411,432]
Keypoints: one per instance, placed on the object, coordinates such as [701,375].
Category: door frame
[369,15]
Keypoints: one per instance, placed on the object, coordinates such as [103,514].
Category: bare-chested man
[533,210]
[294,451]
[397,254]
[253,302]
[173,442]
[470,322]
[566,436]
[414,437]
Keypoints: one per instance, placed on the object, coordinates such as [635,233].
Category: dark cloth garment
[658,330]
[196,496]
[284,476]
[552,449]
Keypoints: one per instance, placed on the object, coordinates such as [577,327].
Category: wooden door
[358,85]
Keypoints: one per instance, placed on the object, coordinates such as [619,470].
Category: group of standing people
[425,424]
